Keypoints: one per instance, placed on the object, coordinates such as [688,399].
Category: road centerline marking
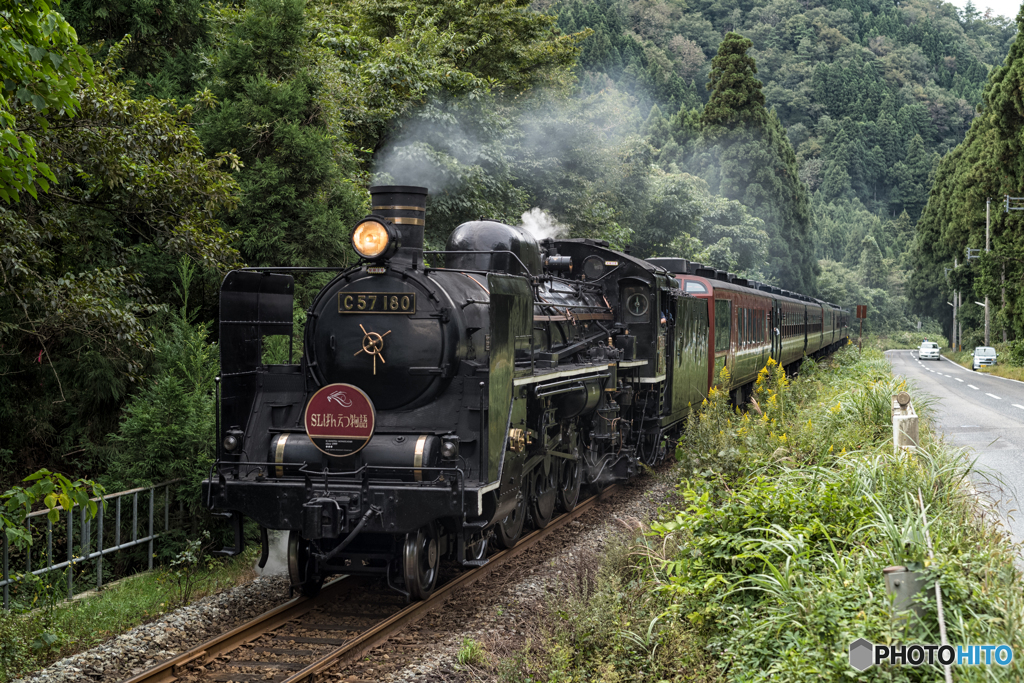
[973,387]
[993,396]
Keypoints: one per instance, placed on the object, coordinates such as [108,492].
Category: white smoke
[429,148]
[277,560]
[543,225]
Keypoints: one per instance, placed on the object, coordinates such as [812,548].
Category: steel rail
[170,670]
[226,642]
[379,634]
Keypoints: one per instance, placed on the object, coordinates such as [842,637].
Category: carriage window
[695,288]
[723,324]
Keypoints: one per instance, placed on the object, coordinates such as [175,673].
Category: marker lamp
[373,239]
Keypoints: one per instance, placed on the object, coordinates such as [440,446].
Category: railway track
[304,638]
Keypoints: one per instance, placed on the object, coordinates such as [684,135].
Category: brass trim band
[279,453]
[399,208]
[417,459]
[407,221]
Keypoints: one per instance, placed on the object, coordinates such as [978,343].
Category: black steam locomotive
[436,410]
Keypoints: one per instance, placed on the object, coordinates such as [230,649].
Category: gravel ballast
[497,611]
[149,644]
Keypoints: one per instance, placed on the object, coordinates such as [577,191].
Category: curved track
[304,638]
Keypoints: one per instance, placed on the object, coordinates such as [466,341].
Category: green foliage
[987,164]
[769,570]
[94,619]
[706,450]
[167,39]
[584,162]
[186,568]
[166,430]
[888,308]
[736,98]
[911,339]
[41,67]
[685,219]
[1015,353]
[471,652]
[881,74]
[51,489]
[268,98]
[744,152]
[84,265]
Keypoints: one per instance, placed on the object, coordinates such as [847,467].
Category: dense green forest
[871,95]
[152,146]
[983,174]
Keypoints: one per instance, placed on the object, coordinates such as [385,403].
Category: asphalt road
[980,412]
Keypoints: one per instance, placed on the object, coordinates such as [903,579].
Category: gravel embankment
[501,612]
[170,635]
[497,612]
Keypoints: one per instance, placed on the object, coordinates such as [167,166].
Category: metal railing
[80,537]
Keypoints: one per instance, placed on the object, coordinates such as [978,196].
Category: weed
[769,562]
[186,568]
[471,653]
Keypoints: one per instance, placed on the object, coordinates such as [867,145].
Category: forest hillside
[156,146]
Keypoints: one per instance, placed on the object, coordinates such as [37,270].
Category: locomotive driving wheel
[544,495]
[509,529]
[476,547]
[302,566]
[421,558]
[570,475]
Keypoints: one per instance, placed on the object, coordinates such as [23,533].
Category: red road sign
[339,419]
[862,312]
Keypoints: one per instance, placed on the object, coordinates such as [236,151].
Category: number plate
[376,302]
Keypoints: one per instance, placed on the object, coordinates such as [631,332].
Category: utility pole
[956,305]
[988,202]
[960,333]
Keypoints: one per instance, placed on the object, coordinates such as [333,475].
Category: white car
[928,351]
[984,355]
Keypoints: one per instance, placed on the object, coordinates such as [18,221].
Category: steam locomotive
[436,411]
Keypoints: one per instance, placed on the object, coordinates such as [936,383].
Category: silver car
[984,355]
[928,351]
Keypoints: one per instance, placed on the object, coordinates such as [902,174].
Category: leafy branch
[51,489]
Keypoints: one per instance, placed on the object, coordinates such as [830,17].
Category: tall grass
[769,561]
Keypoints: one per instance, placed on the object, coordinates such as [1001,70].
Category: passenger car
[984,355]
[928,351]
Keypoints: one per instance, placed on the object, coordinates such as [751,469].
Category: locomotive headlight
[449,449]
[373,239]
[230,443]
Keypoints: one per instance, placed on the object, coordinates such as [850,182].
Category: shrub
[770,570]
[167,428]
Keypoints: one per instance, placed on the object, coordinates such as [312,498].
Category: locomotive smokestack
[405,206]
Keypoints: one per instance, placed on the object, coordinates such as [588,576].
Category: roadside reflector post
[904,423]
